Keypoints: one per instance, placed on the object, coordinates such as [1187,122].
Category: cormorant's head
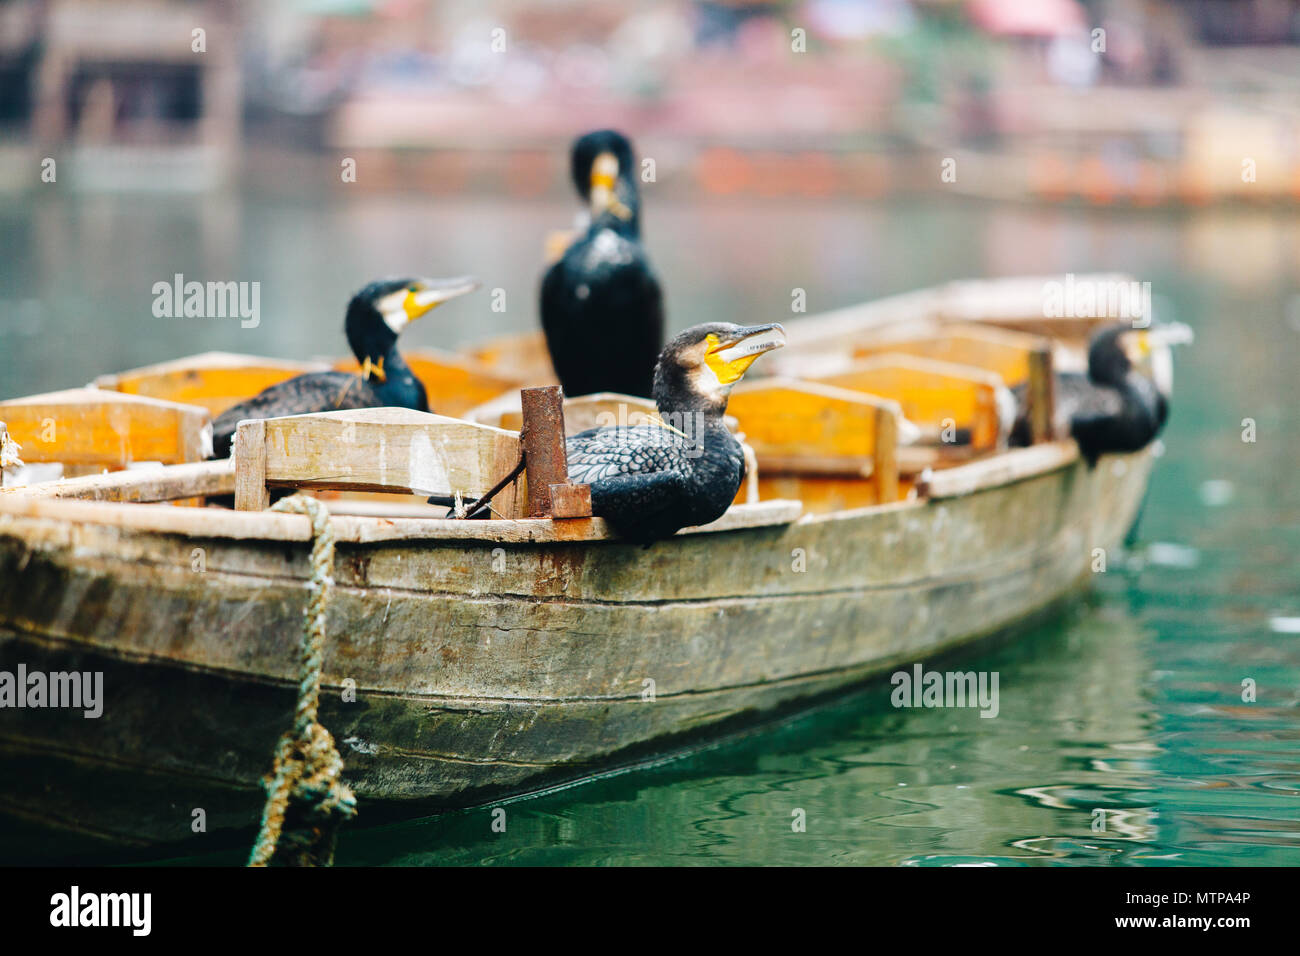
[603,170]
[697,369]
[378,313]
[1118,349]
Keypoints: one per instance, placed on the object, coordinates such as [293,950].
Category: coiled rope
[9,450]
[306,797]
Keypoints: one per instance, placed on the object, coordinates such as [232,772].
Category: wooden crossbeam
[375,449]
[176,482]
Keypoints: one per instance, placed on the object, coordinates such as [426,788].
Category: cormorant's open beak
[731,357]
[604,197]
[426,294]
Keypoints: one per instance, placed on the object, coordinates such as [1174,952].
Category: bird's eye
[414,288]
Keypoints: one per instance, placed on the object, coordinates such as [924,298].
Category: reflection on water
[1130,703]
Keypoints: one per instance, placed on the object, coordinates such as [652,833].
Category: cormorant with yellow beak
[1122,403]
[376,316]
[601,305]
[648,481]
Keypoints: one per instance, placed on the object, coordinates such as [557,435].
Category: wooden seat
[816,431]
[375,449]
[455,383]
[1018,359]
[94,429]
[213,380]
[936,396]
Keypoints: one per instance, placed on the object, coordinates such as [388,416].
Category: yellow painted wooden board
[821,494]
[213,380]
[788,420]
[388,449]
[997,350]
[106,429]
[454,383]
[930,392]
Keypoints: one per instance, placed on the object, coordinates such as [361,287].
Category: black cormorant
[1121,404]
[650,480]
[376,315]
[601,306]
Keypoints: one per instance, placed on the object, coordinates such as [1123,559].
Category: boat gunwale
[985,474]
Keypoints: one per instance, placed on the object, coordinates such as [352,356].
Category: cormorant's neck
[674,396]
[625,193]
[393,381]
[1107,363]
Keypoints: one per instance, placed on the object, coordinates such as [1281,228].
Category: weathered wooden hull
[489,667]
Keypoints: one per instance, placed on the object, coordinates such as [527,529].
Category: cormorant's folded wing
[602,453]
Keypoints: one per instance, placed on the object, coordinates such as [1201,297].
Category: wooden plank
[106,429]
[455,383]
[930,393]
[271,526]
[788,421]
[996,350]
[386,449]
[250,466]
[212,380]
[162,484]
[1012,466]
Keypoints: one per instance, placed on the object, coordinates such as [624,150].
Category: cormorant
[1121,404]
[601,306]
[650,480]
[376,315]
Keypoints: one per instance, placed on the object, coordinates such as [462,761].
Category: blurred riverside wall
[1110,101]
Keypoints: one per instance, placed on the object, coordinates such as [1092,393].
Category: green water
[1128,702]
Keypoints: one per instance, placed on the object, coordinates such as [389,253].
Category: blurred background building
[1101,101]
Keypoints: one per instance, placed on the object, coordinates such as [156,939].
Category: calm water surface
[1129,701]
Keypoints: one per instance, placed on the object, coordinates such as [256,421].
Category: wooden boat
[492,657]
